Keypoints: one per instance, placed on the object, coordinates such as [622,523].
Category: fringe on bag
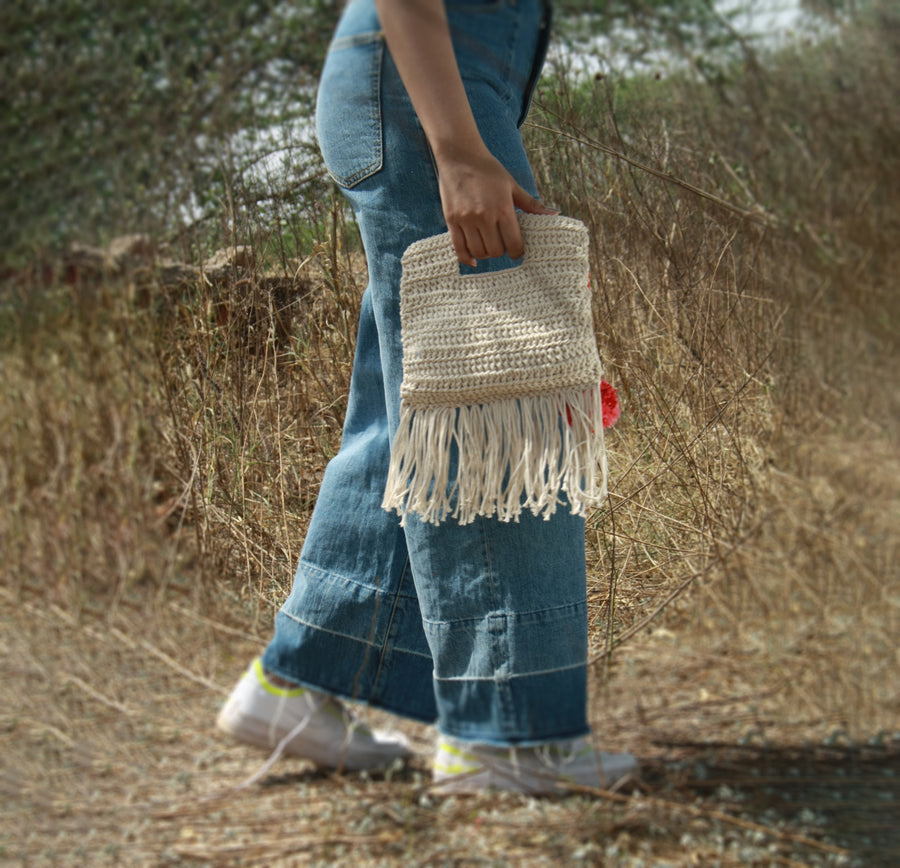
[499,458]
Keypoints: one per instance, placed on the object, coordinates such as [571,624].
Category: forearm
[418,36]
[478,195]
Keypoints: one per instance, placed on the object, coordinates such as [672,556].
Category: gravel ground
[109,758]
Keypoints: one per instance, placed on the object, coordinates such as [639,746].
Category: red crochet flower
[609,398]
[609,401]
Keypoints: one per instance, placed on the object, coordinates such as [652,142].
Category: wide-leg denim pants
[482,628]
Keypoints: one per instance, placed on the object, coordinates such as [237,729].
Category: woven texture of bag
[500,399]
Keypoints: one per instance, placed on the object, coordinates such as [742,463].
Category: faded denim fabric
[481,628]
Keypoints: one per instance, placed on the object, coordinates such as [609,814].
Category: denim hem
[360,640]
[524,742]
[401,709]
[355,670]
[533,709]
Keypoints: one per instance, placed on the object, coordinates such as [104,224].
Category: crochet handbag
[500,403]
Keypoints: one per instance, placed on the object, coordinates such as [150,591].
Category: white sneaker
[467,768]
[304,723]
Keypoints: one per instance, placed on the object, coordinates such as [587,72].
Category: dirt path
[109,758]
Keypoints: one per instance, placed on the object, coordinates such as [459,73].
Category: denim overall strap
[481,627]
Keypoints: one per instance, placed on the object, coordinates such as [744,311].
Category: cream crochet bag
[500,404]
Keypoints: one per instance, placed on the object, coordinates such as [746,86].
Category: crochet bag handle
[547,237]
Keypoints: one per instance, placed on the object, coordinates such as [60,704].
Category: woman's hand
[479,198]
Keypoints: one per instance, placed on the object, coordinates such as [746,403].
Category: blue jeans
[481,628]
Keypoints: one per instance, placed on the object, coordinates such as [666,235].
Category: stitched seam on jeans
[498,639]
[338,578]
[512,675]
[581,604]
[387,633]
[321,629]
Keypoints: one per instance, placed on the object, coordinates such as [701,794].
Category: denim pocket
[348,108]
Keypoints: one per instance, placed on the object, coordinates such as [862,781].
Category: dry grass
[162,446]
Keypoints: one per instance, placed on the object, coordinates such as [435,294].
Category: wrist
[457,148]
